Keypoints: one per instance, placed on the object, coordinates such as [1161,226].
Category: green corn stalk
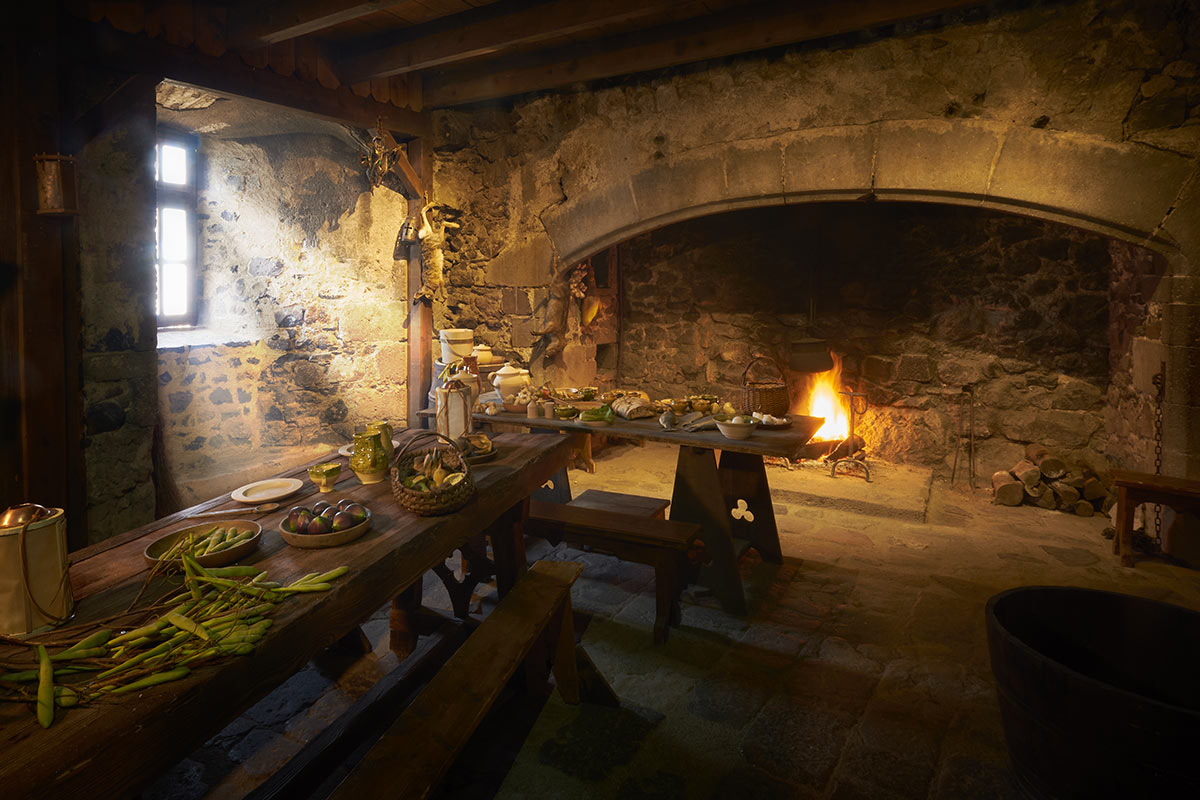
[93,652]
[240,571]
[153,680]
[97,639]
[185,624]
[305,587]
[45,696]
[30,675]
[65,696]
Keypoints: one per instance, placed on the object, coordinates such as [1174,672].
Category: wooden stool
[1135,488]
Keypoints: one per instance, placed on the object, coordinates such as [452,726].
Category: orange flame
[824,401]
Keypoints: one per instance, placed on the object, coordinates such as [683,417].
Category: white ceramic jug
[510,379]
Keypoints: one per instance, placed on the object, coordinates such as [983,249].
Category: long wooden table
[116,748]
[717,496]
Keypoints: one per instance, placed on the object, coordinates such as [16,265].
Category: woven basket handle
[421,436]
[767,359]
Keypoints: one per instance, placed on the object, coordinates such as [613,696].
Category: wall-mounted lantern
[56,192]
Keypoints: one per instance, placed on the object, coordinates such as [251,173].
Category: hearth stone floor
[861,670]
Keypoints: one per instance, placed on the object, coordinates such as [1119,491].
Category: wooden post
[420,313]
[37,452]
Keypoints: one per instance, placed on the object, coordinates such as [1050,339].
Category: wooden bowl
[156,548]
[735,430]
[312,541]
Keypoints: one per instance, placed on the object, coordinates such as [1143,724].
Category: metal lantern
[56,192]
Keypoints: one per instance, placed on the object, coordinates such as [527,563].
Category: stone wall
[302,322]
[921,301]
[1082,112]
[116,262]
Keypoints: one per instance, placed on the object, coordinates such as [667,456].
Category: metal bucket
[45,564]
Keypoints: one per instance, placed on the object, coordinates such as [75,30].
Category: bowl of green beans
[212,544]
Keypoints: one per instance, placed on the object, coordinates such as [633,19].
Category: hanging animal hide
[433,257]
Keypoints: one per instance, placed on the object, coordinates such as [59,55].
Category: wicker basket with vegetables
[431,480]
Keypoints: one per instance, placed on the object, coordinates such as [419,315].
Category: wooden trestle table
[115,748]
[715,495]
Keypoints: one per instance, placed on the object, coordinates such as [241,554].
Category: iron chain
[1159,381]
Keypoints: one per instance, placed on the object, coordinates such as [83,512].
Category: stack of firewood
[1043,479]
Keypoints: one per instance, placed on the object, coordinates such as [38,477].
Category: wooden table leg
[566,671]
[508,546]
[1123,541]
[558,488]
[697,497]
[402,636]
[744,478]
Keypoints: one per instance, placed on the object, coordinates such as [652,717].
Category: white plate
[266,491]
[347,450]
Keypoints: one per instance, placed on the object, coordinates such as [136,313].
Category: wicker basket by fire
[765,397]
[437,500]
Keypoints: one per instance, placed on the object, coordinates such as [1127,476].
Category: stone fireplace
[941,198]
[920,303]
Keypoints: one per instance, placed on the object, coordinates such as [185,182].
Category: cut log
[1074,481]
[1067,495]
[1084,508]
[1051,465]
[1045,498]
[1109,501]
[1093,489]
[1007,490]
[1027,473]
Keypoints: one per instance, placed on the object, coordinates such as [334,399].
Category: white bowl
[736,430]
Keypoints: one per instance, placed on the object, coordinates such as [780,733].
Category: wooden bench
[1135,488]
[412,756]
[661,543]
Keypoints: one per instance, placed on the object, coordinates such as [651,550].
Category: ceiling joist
[258,25]
[712,36]
[492,29]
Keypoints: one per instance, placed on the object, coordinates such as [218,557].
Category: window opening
[175,230]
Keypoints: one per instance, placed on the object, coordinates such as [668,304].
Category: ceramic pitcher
[369,461]
[384,429]
[510,379]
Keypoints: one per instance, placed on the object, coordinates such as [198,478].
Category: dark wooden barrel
[1099,692]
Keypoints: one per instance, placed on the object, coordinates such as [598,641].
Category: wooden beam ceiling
[492,29]
[255,25]
[230,74]
[715,35]
[354,59]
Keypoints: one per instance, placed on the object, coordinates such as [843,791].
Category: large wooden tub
[1099,692]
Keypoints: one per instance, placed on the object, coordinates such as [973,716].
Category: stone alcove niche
[922,301]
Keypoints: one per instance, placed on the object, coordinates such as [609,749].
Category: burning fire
[824,401]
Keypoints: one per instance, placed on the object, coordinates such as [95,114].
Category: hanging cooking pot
[810,355]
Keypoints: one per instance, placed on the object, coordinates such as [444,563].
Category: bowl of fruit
[325,524]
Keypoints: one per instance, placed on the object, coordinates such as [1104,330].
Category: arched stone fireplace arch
[1127,191]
